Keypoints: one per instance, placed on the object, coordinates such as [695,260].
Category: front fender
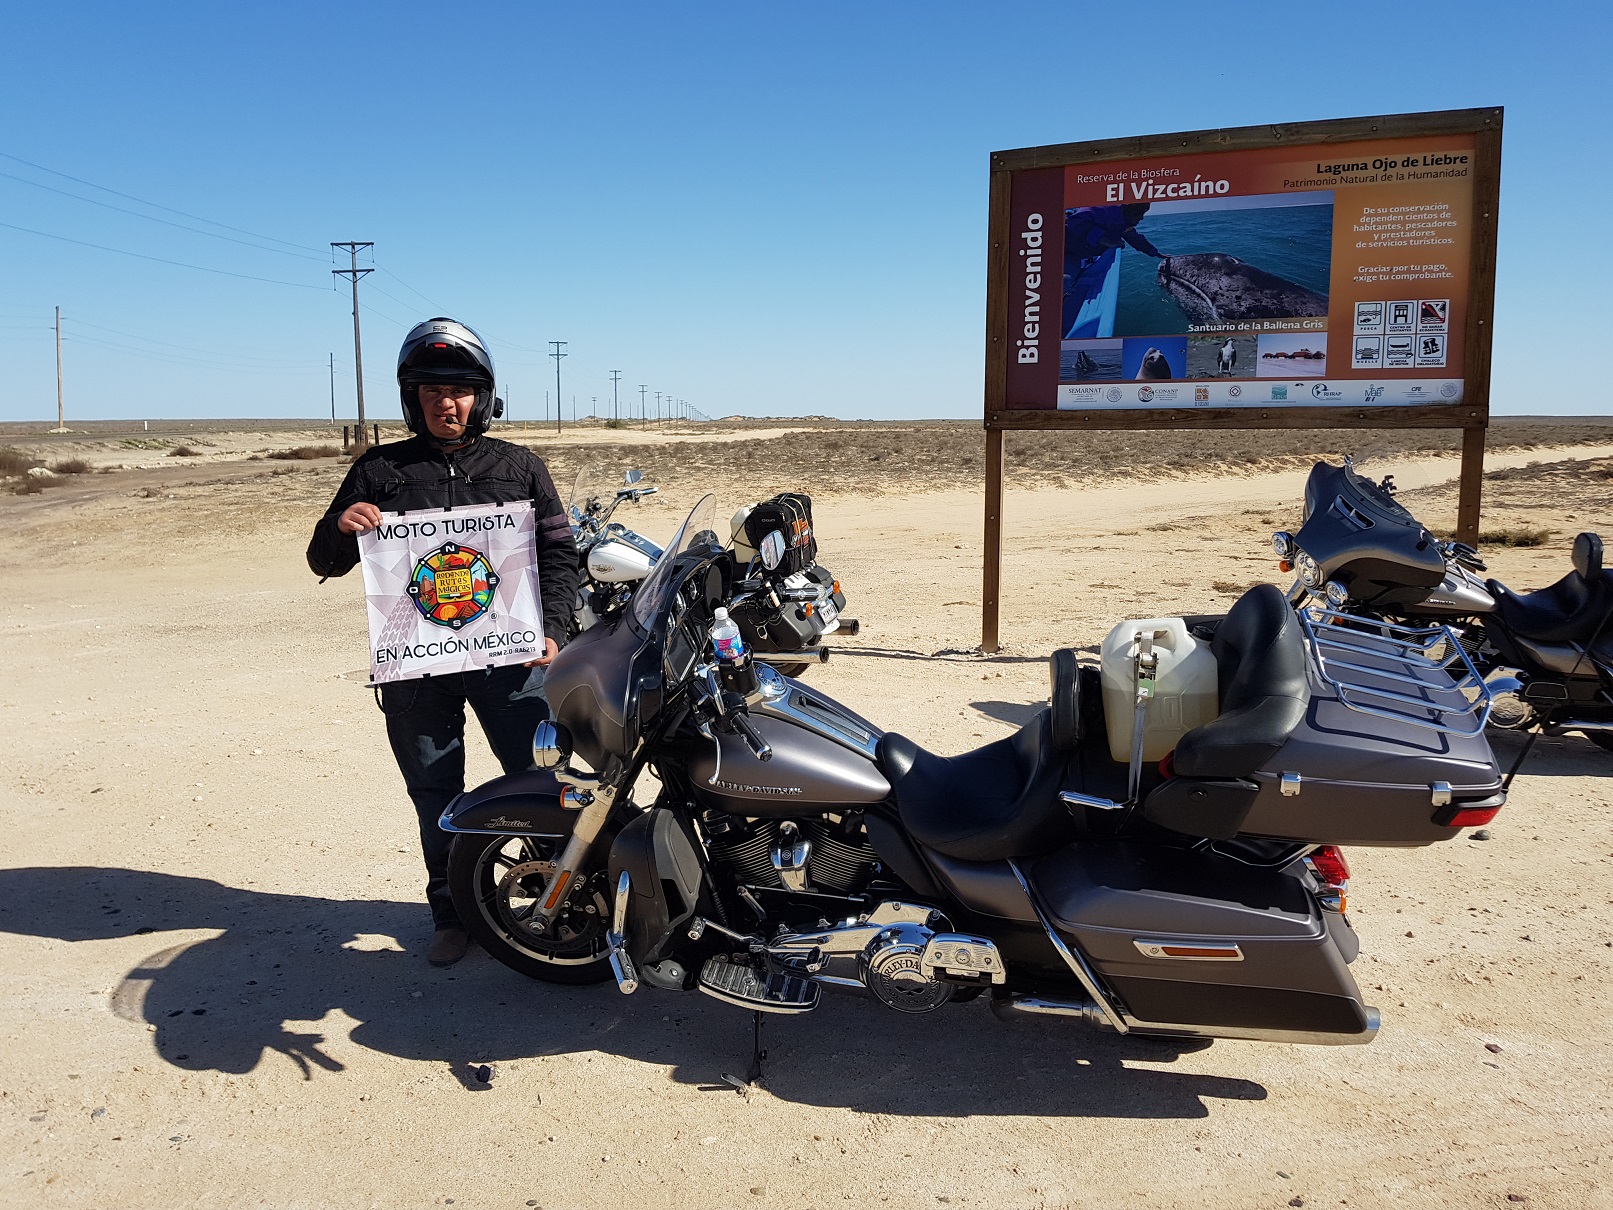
[530,803]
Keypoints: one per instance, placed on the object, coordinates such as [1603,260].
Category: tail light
[1469,817]
[1333,872]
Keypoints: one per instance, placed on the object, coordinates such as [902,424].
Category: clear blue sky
[753,208]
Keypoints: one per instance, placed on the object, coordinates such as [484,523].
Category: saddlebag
[1203,943]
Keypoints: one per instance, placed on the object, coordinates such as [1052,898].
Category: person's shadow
[283,962]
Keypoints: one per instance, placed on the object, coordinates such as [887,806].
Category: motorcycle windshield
[698,529]
[593,485]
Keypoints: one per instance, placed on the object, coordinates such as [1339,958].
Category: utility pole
[557,355]
[658,407]
[353,275]
[593,407]
[615,404]
[643,408]
[61,422]
[332,357]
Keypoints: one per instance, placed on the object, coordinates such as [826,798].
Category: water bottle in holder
[734,666]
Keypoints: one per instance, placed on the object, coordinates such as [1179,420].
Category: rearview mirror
[633,476]
[772,550]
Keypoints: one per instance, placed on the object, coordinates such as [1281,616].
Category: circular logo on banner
[1114,394]
[453,585]
[1235,391]
[1448,390]
[1145,393]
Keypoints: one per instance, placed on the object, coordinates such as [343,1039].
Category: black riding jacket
[417,473]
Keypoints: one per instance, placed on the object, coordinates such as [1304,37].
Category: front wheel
[498,882]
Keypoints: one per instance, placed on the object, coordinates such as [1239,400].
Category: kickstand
[753,1077]
[1528,747]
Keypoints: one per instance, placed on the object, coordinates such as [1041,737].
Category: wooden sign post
[1335,274]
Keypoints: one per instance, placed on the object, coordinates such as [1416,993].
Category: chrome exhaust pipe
[1013,1006]
[807,655]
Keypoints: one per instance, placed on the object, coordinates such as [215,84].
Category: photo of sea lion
[1154,367]
[1213,287]
[1154,359]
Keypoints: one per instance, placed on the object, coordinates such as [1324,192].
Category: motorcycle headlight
[1282,544]
[1337,595]
[1309,573]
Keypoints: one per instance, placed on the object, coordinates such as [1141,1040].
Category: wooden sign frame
[1471,414]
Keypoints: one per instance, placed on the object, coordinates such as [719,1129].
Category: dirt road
[211,924]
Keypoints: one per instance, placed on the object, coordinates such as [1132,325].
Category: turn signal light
[1285,566]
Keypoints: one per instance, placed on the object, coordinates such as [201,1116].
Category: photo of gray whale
[1227,262]
[1213,287]
[1089,361]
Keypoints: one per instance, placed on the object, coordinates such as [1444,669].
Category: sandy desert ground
[211,926]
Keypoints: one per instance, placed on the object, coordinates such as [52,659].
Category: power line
[353,275]
[151,218]
[557,355]
[156,205]
[273,281]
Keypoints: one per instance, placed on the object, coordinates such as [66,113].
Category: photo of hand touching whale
[1179,267]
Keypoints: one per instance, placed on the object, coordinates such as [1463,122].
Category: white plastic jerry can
[1183,694]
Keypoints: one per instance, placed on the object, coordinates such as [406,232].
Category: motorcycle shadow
[282,963]
[1569,755]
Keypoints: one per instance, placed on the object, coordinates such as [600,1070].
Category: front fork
[597,793]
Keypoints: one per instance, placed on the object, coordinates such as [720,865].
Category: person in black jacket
[445,377]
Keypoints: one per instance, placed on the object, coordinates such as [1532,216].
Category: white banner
[451,590]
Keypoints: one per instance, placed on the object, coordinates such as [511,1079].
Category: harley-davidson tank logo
[453,585]
[737,788]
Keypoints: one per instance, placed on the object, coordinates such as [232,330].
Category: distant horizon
[636,422]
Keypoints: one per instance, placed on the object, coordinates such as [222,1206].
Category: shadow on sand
[221,1004]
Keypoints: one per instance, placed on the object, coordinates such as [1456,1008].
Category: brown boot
[448,946]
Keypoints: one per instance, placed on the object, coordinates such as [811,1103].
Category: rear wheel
[499,881]
[1602,739]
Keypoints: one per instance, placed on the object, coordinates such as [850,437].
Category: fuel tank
[823,758]
[1460,594]
[619,561]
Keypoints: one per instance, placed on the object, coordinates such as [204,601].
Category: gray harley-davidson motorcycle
[793,844]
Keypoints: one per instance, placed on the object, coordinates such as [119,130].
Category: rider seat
[995,802]
[1262,685]
[1567,611]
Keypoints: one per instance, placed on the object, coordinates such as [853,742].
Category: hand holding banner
[451,590]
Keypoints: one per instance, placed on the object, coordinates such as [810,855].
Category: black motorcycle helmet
[444,351]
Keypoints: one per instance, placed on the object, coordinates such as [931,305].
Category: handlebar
[753,737]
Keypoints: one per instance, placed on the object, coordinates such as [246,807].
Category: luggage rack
[1417,675]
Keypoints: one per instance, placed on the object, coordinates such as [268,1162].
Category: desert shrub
[27,486]
[184,451]
[14,462]
[306,453]
[1516,535]
[71,466]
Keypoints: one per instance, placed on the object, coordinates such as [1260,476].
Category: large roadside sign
[1323,274]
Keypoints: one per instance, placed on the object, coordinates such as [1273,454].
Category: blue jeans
[425,720]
